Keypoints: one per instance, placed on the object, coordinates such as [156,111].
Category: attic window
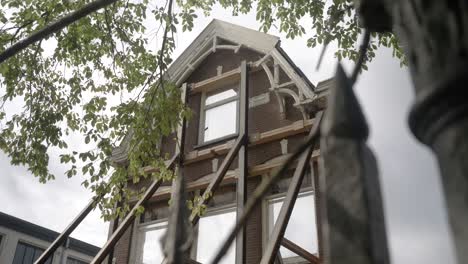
[219,114]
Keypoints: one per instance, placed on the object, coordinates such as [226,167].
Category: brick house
[282,105]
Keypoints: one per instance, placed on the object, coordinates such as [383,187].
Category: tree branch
[54,27]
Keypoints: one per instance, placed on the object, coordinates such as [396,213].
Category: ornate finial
[344,117]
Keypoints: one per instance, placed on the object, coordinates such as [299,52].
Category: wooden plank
[216,81]
[300,251]
[219,80]
[256,139]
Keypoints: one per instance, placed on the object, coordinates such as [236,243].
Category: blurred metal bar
[207,195]
[257,196]
[176,239]
[243,160]
[299,251]
[61,239]
[101,255]
[352,216]
[287,208]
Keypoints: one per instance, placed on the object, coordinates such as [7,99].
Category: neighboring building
[282,106]
[22,242]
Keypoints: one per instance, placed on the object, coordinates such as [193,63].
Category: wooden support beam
[220,80]
[216,81]
[243,159]
[300,251]
[255,139]
[287,208]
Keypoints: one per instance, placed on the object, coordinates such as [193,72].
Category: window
[27,254]
[1,240]
[71,260]
[213,229]
[219,219]
[219,114]
[301,228]
[149,243]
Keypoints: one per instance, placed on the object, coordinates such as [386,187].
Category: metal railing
[351,204]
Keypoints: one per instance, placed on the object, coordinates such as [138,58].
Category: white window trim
[136,249]
[204,108]
[2,242]
[137,241]
[266,217]
[211,211]
[68,256]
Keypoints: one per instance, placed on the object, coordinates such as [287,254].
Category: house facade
[282,106]
[22,242]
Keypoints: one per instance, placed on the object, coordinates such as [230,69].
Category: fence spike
[353,222]
[344,117]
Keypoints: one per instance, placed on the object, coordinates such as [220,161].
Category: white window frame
[2,242]
[140,229]
[268,220]
[75,258]
[211,211]
[204,108]
[136,254]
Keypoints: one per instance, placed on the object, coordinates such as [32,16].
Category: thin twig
[261,190]
[322,53]
[54,27]
[362,56]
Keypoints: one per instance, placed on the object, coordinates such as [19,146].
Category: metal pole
[353,221]
[243,161]
[101,255]
[287,208]
[300,251]
[207,195]
[68,230]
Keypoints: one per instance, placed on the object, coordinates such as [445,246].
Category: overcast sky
[416,219]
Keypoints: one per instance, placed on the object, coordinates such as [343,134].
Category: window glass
[151,245]
[220,96]
[71,260]
[220,121]
[27,254]
[212,231]
[301,228]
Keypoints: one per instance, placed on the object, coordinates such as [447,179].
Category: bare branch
[362,55]
[54,27]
